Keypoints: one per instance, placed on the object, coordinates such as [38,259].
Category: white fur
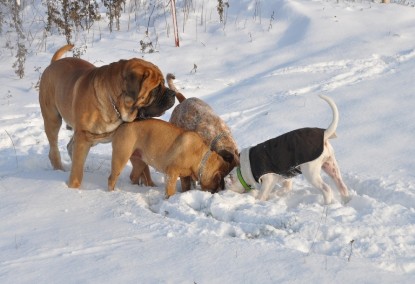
[311,170]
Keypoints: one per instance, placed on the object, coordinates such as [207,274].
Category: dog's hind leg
[52,127]
[311,171]
[331,168]
[146,177]
[80,150]
[140,173]
[287,185]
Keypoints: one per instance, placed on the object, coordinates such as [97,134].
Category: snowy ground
[262,77]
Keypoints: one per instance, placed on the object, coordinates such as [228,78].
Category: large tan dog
[195,115]
[169,149]
[95,101]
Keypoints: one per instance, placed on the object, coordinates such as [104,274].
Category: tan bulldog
[95,101]
[168,149]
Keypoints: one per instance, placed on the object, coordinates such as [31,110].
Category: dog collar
[216,140]
[203,163]
[242,181]
[115,108]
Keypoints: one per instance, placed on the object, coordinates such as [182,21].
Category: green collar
[242,181]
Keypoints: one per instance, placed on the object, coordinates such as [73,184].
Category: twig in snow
[14,148]
[351,250]
[324,214]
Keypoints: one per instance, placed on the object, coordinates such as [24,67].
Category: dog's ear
[220,181]
[226,156]
[133,83]
[141,77]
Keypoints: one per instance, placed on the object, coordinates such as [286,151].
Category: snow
[263,78]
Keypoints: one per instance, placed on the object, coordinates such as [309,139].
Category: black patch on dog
[282,155]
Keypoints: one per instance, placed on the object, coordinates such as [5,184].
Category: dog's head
[213,174]
[142,86]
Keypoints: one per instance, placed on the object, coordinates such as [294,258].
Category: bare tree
[2,20]
[114,8]
[18,65]
[67,16]
[83,14]
[176,30]
[221,9]
[58,14]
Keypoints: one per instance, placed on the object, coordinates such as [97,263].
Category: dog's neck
[242,178]
[203,164]
[213,144]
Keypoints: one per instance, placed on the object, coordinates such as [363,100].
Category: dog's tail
[330,132]
[170,77]
[61,51]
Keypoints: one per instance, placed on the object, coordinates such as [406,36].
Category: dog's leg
[171,179]
[146,177]
[186,183]
[332,169]
[311,171]
[52,126]
[118,163]
[81,147]
[287,185]
[140,172]
[267,181]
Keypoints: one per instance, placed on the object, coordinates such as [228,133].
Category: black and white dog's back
[305,150]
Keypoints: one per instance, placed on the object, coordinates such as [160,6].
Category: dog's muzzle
[164,98]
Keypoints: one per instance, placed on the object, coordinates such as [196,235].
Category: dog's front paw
[74,184]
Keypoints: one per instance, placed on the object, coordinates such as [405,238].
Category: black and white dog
[305,150]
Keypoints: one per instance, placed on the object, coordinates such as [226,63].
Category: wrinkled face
[214,184]
[143,82]
[163,99]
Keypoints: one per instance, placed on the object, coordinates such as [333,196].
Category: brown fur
[195,115]
[94,101]
[169,149]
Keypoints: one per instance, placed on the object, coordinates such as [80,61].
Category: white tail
[331,130]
